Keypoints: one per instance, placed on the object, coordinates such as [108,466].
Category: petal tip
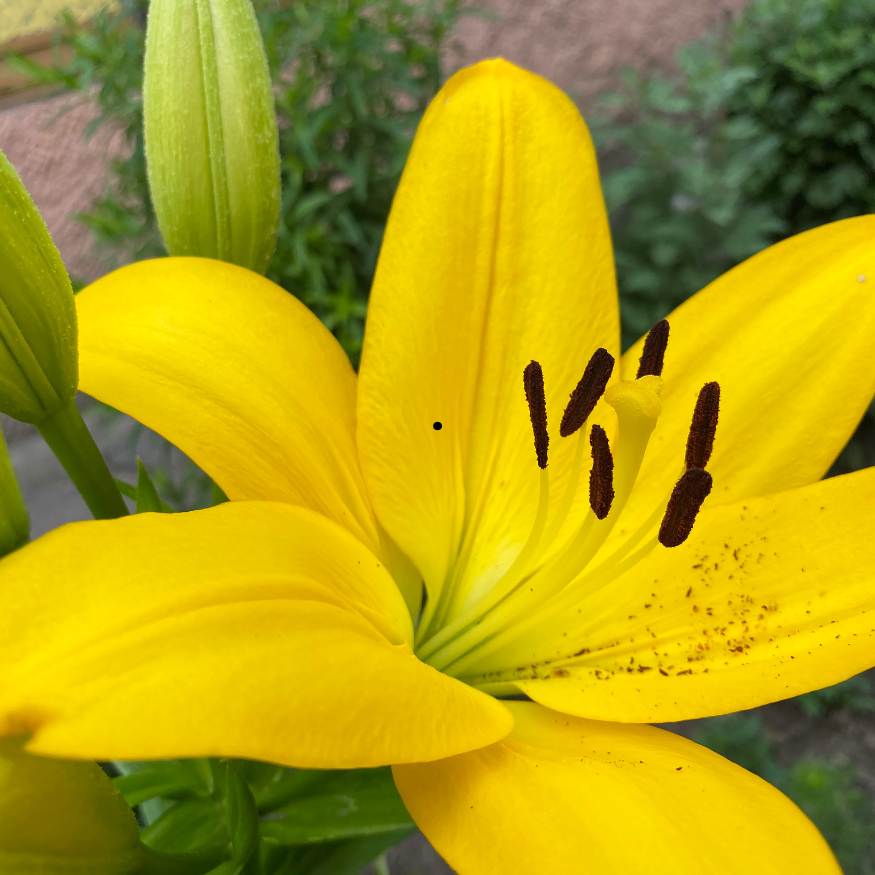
[498,72]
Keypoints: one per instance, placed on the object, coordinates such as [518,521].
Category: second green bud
[38,361]
[211,134]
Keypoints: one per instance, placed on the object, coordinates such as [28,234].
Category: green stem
[68,436]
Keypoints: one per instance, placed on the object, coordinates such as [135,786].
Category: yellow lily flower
[286,625]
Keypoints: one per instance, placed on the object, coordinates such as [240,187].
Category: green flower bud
[14,524]
[38,358]
[211,134]
[58,816]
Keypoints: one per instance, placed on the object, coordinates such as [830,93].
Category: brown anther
[533,382]
[700,441]
[653,354]
[587,392]
[684,506]
[601,476]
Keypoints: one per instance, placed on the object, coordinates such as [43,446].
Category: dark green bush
[813,98]
[352,79]
[767,129]
[675,185]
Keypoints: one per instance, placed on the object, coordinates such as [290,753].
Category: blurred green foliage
[352,78]
[829,793]
[767,129]
[856,695]
[831,796]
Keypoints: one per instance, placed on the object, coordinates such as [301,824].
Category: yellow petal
[788,335]
[235,372]
[58,816]
[253,630]
[497,252]
[769,598]
[565,795]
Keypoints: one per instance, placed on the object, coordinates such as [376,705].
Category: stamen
[477,637]
[653,355]
[587,392]
[601,477]
[533,382]
[700,442]
[683,507]
[637,406]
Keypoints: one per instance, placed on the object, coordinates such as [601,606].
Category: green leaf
[240,812]
[170,779]
[39,74]
[338,858]
[148,500]
[192,826]
[346,805]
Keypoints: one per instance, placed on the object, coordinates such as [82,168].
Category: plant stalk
[69,439]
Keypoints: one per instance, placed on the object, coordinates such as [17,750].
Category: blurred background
[722,126]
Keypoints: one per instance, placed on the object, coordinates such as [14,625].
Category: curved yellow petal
[497,252]
[565,796]
[234,371]
[252,630]
[788,335]
[769,598]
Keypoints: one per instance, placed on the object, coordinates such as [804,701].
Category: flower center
[564,557]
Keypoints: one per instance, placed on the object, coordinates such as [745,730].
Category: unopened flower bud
[58,816]
[211,134]
[38,358]
[14,523]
